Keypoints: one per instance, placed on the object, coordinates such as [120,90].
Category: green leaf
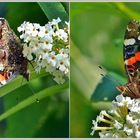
[31,13]
[126,11]
[54,10]
[44,121]
[34,122]
[66,6]
[32,99]
[58,119]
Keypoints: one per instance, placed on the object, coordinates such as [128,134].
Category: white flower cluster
[122,121]
[48,47]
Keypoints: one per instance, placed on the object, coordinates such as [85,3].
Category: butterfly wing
[6,77]
[12,61]
[132,60]
[132,49]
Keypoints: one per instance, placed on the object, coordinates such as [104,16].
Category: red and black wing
[132,48]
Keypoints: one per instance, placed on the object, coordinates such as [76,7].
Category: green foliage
[97,33]
[54,10]
[33,108]
[19,12]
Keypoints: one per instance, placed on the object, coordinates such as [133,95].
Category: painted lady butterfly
[12,61]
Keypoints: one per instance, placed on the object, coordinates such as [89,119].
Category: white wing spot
[3,82]
[126,62]
[105,98]
[130,41]
[128,29]
[139,37]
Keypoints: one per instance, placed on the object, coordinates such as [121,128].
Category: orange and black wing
[132,48]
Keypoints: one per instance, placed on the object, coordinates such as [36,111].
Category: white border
[69,79]
[34,138]
[70,1]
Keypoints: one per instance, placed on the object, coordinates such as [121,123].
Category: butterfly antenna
[108,76]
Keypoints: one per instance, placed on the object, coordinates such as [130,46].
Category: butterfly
[12,61]
[131,53]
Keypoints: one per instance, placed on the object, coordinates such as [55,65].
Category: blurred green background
[97,34]
[50,116]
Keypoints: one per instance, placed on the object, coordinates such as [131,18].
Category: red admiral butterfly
[132,60]
[12,61]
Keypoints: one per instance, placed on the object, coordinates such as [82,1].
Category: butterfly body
[12,61]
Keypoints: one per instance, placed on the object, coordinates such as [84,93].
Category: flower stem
[32,99]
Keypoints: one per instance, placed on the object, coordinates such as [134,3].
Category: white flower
[34,46]
[42,32]
[26,37]
[32,30]
[52,59]
[45,46]
[48,47]
[121,121]
[94,127]
[47,39]
[49,29]
[137,133]
[123,101]
[27,52]
[61,35]
[135,106]
[62,62]
[130,120]
[129,131]
[55,21]
[137,130]
[50,68]
[36,26]
[22,27]
[59,77]
[106,134]
[117,125]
